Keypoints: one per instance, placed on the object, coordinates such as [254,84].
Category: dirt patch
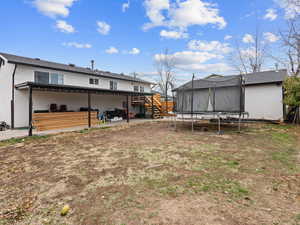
[151,174]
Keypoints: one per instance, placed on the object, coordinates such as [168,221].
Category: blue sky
[126,36]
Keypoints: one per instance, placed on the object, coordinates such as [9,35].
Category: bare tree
[290,38]
[291,42]
[165,66]
[252,58]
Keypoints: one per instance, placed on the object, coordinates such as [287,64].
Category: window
[56,78]
[48,78]
[113,85]
[142,89]
[136,88]
[94,81]
[41,77]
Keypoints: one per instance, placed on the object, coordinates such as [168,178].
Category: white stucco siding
[264,101]
[6,72]
[26,73]
[42,101]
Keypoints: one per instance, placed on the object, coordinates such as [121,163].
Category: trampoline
[216,96]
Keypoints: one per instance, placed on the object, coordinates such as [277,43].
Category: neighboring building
[263,93]
[60,84]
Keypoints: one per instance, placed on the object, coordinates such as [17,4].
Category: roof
[258,78]
[68,68]
[72,88]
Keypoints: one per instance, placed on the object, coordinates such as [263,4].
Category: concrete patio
[20,133]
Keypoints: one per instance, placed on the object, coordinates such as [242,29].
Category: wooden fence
[60,120]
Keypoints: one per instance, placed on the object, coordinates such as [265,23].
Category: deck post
[30,112]
[152,105]
[89,110]
[127,105]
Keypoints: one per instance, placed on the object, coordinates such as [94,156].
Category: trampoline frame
[219,114]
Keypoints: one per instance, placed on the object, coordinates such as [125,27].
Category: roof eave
[76,88]
[72,71]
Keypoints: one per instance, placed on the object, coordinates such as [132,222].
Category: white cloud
[195,12]
[103,27]
[54,8]
[213,46]
[208,67]
[112,50]
[248,38]
[173,34]
[63,26]
[125,6]
[196,61]
[135,51]
[248,52]
[227,37]
[271,14]
[291,7]
[188,57]
[182,14]
[77,45]
[270,37]
[154,10]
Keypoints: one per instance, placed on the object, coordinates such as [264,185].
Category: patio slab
[20,133]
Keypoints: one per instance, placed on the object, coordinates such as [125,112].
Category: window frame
[94,81]
[136,88]
[50,77]
[113,85]
[142,89]
[60,78]
[37,80]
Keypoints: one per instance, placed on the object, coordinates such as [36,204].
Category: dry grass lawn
[151,174]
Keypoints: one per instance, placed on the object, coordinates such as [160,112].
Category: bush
[292,91]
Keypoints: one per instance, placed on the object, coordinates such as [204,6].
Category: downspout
[283,104]
[13,98]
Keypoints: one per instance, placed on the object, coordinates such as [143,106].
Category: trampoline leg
[192,124]
[239,123]
[219,124]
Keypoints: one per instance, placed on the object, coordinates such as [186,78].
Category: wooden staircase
[159,107]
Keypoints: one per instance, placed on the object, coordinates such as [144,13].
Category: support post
[192,103]
[144,107]
[127,105]
[239,123]
[30,112]
[12,109]
[166,98]
[152,105]
[89,110]
[219,124]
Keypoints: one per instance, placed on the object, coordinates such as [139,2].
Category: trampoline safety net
[217,95]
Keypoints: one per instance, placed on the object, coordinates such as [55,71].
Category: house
[29,85]
[263,93]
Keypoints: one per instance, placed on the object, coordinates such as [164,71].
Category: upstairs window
[48,78]
[113,85]
[56,78]
[41,77]
[142,89]
[136,88]
[94,81]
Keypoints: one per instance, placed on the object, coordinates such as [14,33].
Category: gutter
[12,103]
